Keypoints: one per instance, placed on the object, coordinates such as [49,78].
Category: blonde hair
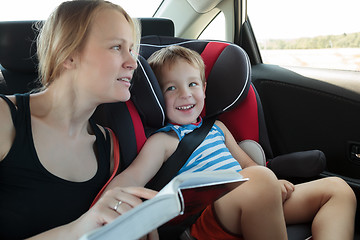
[169,55]
[65,32]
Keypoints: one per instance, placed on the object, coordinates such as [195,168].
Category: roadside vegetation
[351,40]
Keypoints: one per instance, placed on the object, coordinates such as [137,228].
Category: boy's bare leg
[254,209]
[329,202]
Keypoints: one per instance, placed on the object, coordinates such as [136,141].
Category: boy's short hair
[169,55]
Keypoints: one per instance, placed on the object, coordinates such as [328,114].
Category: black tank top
[32,200]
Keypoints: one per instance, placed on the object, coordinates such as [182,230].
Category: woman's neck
[63,107]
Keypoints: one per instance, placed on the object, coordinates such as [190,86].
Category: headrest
[227,71]
[157,26]
[17,46]
[18,41]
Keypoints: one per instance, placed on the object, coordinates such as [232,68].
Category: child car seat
[231,94]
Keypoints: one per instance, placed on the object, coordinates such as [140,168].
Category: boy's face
[184,92]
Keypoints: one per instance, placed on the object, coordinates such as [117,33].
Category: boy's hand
[286,189]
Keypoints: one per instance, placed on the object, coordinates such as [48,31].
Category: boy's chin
[185,122]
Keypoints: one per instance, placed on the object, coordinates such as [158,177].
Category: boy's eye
[170,88]
[193,84]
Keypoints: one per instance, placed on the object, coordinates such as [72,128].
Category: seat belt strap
[184,150]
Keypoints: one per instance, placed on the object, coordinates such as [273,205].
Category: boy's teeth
[185,107]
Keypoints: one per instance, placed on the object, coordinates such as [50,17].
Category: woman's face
[106,62]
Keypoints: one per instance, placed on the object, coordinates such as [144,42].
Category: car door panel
[304,113]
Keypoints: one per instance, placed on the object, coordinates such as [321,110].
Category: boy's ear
[204,86]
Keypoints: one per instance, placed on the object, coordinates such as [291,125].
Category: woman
[53,159]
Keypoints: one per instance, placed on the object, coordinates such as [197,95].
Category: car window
[15,10]
[216,29]
[308,33]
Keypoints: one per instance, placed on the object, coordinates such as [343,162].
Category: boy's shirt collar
[181,130]
[199,120]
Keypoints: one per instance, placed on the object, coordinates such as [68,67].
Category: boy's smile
[185,107]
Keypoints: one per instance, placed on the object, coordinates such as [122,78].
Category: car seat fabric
[157,26]
[17,57]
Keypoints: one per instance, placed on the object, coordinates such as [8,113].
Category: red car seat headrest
[227,69]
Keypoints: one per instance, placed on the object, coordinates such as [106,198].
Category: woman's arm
[100,214]
[148,162]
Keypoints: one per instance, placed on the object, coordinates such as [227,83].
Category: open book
[185,195]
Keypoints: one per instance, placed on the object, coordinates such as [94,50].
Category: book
[183,196]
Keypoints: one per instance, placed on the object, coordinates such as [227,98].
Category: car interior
[241,92]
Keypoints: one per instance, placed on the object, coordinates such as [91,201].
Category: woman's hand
[286,189]
[113,203]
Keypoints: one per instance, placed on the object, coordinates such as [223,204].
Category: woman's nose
[131,61]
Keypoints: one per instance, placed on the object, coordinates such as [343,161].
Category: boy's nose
[185,93]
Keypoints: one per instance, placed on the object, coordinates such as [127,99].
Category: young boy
[259,208]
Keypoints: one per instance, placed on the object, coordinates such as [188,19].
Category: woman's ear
[69,63]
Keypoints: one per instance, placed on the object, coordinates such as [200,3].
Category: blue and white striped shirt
[211,155]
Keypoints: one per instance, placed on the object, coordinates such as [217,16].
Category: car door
[306,69]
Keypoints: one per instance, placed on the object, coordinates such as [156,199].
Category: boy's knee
[340,187]
[337,188]
[264,185]
[262,175]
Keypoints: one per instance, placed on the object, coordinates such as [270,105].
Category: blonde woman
[53,159]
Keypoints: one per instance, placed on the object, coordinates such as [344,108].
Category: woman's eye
[117,47]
